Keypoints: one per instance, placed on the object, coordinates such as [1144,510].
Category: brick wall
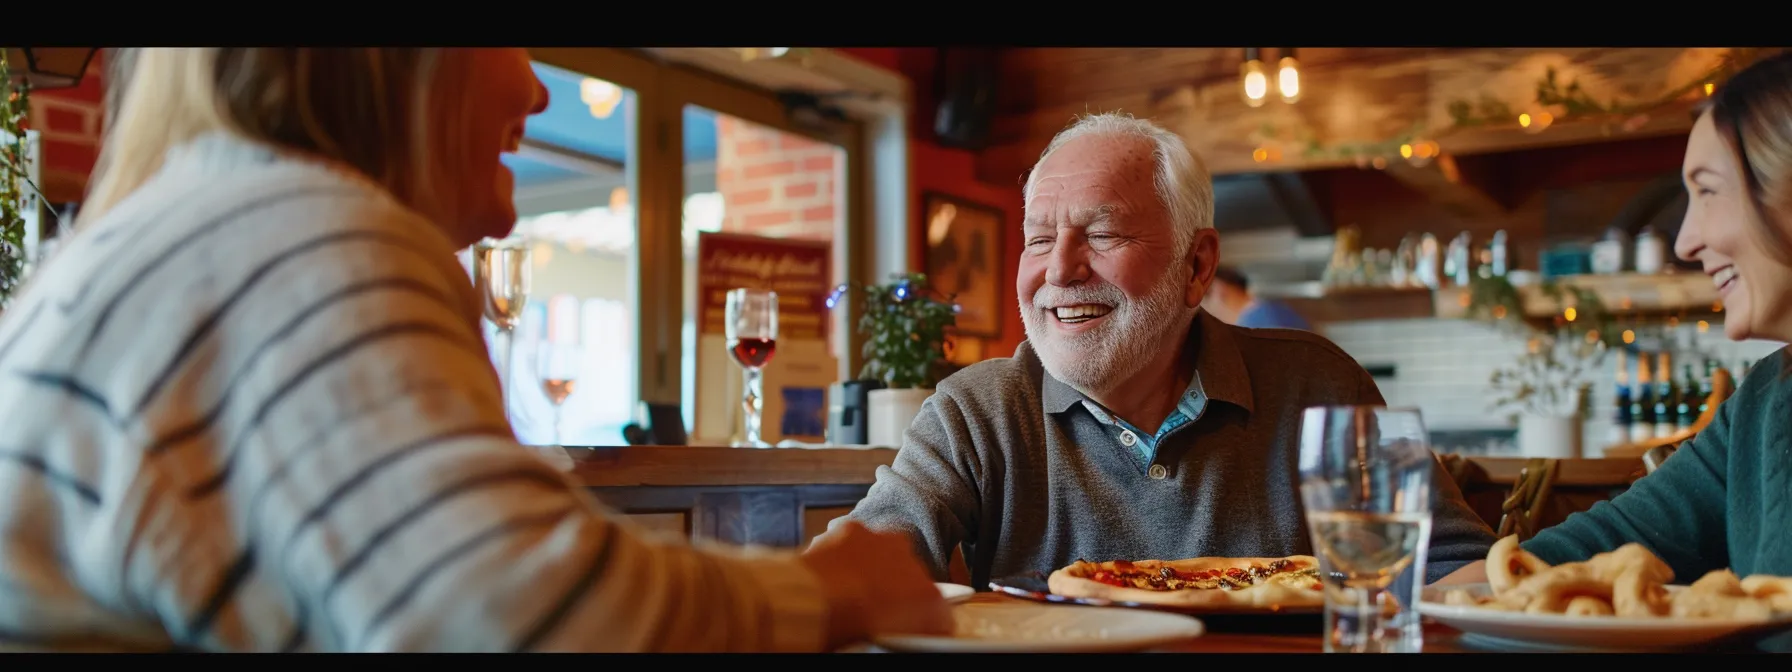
[1442,368]
[69,120]
[776,184]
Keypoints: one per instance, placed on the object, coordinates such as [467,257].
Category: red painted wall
[951,171]
[69,120]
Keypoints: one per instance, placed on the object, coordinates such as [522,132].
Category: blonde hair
[383,112]
[1753,115]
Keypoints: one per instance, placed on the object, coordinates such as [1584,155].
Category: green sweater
[1723,500]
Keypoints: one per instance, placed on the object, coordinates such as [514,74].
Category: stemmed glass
[1366,481]
[752,332]
[557,365]
[501,277]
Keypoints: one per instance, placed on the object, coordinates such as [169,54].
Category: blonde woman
[248,407]
[1723,500]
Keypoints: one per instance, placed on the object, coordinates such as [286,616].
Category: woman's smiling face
[1754,285]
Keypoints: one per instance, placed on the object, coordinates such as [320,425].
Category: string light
[1288,77]
[601,96]
[1254,83]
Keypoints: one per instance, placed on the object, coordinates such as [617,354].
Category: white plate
[1013,626]
[1597,633]
[953,591]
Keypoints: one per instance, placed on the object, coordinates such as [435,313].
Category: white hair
[1182,180]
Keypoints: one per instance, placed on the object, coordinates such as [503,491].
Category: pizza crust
[1072,582]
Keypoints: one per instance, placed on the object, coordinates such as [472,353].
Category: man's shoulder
[994,382]
[1294,349]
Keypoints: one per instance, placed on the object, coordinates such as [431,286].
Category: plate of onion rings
[1622,600]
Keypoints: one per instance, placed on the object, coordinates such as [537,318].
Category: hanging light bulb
[1252,79]
[1288,77]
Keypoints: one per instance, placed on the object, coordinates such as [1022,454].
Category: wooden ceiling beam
[1356,107]
[1442,182]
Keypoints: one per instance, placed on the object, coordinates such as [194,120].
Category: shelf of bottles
[1667,397]
[1621,293]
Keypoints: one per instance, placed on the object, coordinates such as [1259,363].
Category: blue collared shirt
[1194,401]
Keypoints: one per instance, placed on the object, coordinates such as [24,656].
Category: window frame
[656,178]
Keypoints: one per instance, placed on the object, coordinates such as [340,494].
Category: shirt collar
[1219,374]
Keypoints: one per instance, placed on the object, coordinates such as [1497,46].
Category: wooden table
[1438,639]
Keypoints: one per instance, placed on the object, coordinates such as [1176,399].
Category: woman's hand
[874,585]
[1474,572]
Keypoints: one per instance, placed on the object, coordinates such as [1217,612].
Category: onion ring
[1507,564]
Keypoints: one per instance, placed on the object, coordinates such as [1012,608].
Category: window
[746,178]
[607,227]
[575,210]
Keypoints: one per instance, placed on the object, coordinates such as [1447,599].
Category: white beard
[1123,345]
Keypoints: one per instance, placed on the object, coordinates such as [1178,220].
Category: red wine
[753,353]
[557,389]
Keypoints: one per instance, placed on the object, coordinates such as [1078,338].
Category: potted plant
[1546,389]
[15,103]
[904,325]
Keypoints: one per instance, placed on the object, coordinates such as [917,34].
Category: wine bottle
[1688,408]
[1642,404]
[1705,386]
[1666,397]
[1621,420]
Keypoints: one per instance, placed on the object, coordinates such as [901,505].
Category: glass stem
[751,403]
[1369,619]
[556,424]
[509,350]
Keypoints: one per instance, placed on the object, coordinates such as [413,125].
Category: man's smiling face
[1101,283]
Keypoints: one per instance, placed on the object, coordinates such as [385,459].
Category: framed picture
[964,259]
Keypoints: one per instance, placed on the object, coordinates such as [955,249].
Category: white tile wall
[1442,368]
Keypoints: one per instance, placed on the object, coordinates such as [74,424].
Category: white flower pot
[1549,436]
[890,413]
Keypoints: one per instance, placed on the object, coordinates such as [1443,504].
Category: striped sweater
[250,409]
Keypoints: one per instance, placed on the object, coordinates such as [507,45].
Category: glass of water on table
[1366,483]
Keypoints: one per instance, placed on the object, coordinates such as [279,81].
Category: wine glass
[557,365]
[501,277]
[752,332]
[1366,481]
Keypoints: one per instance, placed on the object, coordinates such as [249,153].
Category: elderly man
[1129,425]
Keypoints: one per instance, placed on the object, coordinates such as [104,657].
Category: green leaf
[905,340]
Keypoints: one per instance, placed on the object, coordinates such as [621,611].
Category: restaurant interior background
[643,150]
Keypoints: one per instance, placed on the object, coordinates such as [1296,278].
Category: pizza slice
[1272,583]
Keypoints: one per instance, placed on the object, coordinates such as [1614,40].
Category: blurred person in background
[248,407]
[1231,300]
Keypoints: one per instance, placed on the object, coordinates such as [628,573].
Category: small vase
[890,414]
[1549,436]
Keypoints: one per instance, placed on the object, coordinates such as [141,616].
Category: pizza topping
[1128,575]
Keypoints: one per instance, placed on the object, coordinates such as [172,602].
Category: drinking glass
[1366,482]
[501,277]
[752,332]
[557,365]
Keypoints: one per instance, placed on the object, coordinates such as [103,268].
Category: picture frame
[963,259]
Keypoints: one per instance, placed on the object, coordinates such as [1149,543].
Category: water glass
[1366,482]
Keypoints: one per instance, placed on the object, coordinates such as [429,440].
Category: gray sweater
[1015,465]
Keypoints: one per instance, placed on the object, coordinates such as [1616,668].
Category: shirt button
[1127,438]
[1158,472]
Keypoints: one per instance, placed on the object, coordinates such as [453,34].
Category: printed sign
[800,271]
[796,379]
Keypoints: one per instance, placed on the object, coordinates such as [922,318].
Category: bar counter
[770,496]
[786,496]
